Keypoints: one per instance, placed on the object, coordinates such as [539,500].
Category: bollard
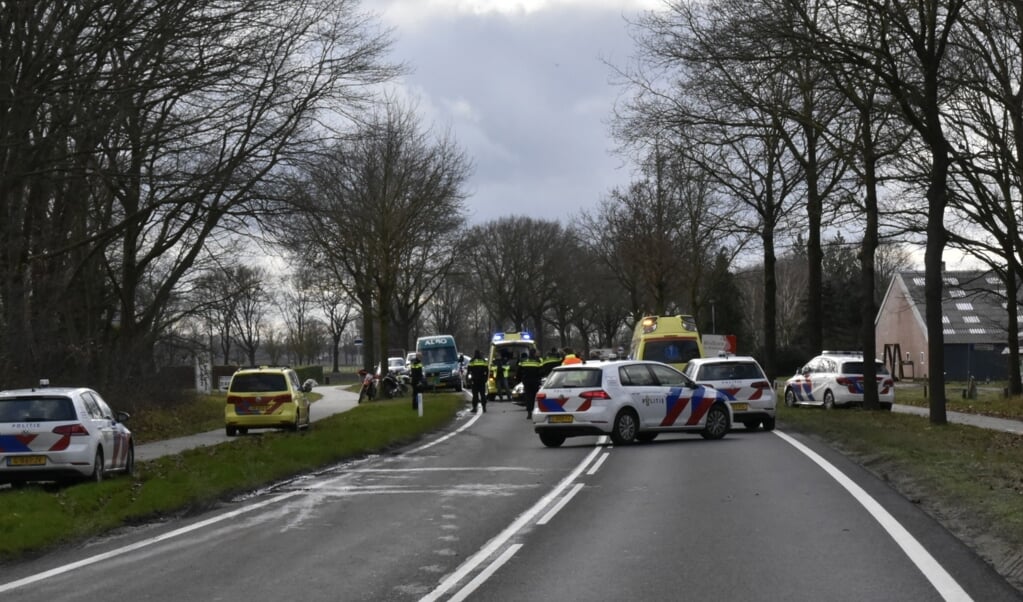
[419,403]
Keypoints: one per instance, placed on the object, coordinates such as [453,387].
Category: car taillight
[540,396]
[762,384]
[591,395]
[66,431]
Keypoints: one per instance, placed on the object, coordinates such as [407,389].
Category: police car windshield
[574,378]
[36,409]
[857,368]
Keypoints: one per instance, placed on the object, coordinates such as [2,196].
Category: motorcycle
[369,386]
[395,385]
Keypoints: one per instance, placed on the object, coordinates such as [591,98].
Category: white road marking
[470,587]
[596,465]
[502,538]
[67,568]
[561,504]
[947,587]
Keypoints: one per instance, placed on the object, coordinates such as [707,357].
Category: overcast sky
[524,89]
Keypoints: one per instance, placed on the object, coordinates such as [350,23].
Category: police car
[629,400]
[743,381]
[835,378]
[60,434]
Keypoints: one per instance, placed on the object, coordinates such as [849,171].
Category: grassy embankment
[970,479]
[37,518]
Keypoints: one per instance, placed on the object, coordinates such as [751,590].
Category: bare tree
[383,202]
[138,133]
[912,57]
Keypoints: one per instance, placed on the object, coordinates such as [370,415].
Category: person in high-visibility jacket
[549,361]
[571,358]
[502,370]
[529,375]
[478,378]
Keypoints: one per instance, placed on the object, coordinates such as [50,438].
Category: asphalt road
[483,511]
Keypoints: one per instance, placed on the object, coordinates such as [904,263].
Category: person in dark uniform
[416,374]
[529,374]
[478,378]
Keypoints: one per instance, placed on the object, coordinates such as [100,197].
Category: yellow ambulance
[511,345]
[673,340]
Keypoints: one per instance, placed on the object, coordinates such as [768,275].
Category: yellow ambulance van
[673,340]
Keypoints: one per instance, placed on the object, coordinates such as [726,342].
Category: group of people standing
[531,370]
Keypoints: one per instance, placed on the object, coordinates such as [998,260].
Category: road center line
[948,587]
[502,538]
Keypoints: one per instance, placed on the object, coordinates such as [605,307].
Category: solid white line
[561,504]
[485,574]
[6,587]
[501,538]
[596,465]
[948,587]
[468,423]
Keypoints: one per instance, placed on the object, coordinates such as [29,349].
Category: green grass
[37,518]
[970,479]
[195,414]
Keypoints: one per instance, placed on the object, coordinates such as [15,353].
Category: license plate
[26,461]
[559,419]
[740,407]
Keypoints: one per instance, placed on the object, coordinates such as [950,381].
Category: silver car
[630,400]
[61,433]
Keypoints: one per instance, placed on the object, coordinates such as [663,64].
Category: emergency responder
[529,375]
[478,380]
[552,359]
[570,358]
[416,374]
[502,369]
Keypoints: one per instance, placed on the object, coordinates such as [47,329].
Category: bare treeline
[883,120]
[136,138]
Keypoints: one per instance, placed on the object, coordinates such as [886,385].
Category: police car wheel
[97,466]
[829,400]
[552,439]
[625,426]
[752,425]
[768,424]
[790,398]
[717,422]
[129,462]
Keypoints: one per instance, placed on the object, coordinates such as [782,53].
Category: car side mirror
[122,416]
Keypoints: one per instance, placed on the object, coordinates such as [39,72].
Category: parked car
[60,434]
[266,397]
[396,365]
[628,400]
[743,381]
[835,378]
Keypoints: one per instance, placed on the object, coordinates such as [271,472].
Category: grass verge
[36,519]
